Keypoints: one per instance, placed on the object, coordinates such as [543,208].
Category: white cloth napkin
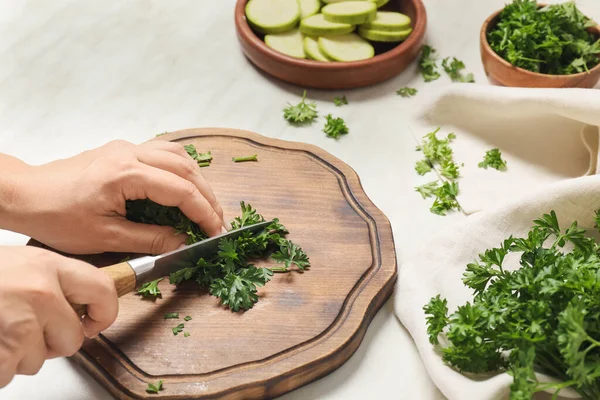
[545,135]
[550,141]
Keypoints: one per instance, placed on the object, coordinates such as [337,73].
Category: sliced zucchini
[383,36]
[272,16]
[388,21]
[289,43]
[318,26]
[311,48]
[380,3]
[350,12]
[349,47]
[309,7]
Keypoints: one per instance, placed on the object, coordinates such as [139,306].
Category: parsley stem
[247,158]
[279,269]
[203,164]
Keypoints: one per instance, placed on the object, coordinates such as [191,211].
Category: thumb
[146,238]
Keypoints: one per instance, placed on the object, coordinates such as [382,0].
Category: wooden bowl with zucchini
[529,44]
[331,44]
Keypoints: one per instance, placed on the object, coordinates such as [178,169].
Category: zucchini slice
[289,43]
[349,47]
[388,21]
[384,36]
[318,26]
[273,16]
[350,12]
[311,48]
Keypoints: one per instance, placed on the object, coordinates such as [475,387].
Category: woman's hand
[37,321]
[77,205]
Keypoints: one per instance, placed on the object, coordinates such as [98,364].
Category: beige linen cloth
[550,141]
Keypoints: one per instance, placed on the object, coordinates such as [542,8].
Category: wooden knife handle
[123,276]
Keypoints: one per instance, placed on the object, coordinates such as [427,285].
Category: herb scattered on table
[406,92]
[150,289]
[186,334]
[178,329]
[335,127]
[438,153]
[540,317]
[302,112]
[203,159]
[551,40]
[171,315]
[453,69]
[493,159]
[152,388]
[427,64]
[340,101]
[187,318]
[228,275]
[253,157]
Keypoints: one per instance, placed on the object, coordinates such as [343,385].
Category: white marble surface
[75,74]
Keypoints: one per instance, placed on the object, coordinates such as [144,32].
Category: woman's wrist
[13,188]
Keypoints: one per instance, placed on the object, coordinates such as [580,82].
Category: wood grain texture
[501,72]
[304,325]
[390,59]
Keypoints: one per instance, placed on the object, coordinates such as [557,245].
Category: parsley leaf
[150,289]
[406,91]
[186,334]
[302,112]
[249,217]
[453,69]
[437,151]
[178,329]
[551,40]
[187,318]
[335,127]
[427,190]
[152,388]
[340,101]
[289,254]
[203,159]
[493,159]
[246,158]
[238,291]
[445,199]
[427,64]
[171,315]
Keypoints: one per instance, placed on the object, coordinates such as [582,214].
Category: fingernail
[181,247]
[223,230]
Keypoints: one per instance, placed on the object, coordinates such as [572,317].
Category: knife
[130,275]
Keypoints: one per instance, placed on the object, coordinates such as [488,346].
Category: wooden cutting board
[304,326]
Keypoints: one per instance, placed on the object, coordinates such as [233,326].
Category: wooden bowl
[390,59]
[502,72]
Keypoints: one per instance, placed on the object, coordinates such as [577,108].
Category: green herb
[150,289]
[290,254]
[160,134]
[187,318]
[178,329]
[229,274]
[186,334]
[437,151]
[445,199]
[540,317]
[428,190]
[335,127]
[427,64]
[302,112]
[340,100]
[246,158]
[453,69]
[171,315]
[203,159]
[406,91]
[152,388]
[493,159]
[551,40]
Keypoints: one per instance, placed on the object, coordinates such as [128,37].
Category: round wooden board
[304,325]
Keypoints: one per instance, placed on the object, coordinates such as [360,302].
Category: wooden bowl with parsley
[527,44]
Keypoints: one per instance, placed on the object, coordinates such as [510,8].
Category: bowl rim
[497,58]
[419,25]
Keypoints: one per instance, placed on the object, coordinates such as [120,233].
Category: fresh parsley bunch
[543,317]
[550,40]
[228,275]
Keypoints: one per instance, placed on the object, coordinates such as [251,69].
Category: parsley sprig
[493,159]
[428,65]
[454,67]
[228,275]
[203,159]
[541,317]
[302,112]
[406,92]
[340,101]
[335,127]
[154,388]
[150,289]
[551,40]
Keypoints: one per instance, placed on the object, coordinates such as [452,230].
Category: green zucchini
[309,7]
[349,47]
[383,36]
[289,43]
[350,12]
[272,16]
[316,25]
[388,21]
[311,48]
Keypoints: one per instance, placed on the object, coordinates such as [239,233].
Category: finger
[8,367]
[171,147]
[168,189]
[185,168]
[144,238]
[63,332]
[34,357]
[82,283]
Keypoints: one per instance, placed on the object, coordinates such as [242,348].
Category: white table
[75,74]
